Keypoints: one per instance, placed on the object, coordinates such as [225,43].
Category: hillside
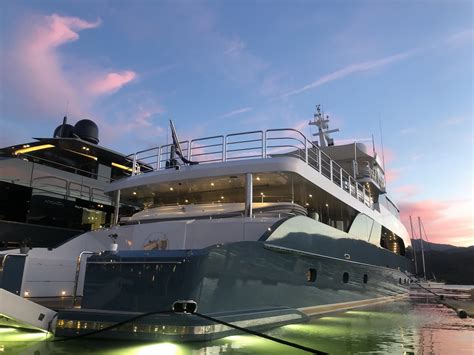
[448,263]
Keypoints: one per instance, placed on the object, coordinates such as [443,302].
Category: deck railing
[251,145]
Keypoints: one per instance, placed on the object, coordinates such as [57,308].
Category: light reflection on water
[404,327]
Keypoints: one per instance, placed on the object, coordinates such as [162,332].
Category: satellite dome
[87,130]
[67,131]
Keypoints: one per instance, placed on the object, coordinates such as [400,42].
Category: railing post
[306,149]
[319,161]
[248,194]
[158,160]
[224,148]
[264,145]
[117,207]
[342,183]
[330,170]
[189,150]
[134,163]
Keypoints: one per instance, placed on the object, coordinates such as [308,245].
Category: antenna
[381,143]
[422,249]
[373,145]
[323,131]
[413,245]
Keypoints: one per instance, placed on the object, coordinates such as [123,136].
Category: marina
[410,326]
[214,177]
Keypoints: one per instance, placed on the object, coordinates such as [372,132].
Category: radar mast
[323,128]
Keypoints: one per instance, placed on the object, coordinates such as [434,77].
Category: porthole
[345,277]
[311,275]
[366,278]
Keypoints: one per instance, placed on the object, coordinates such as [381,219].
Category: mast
[323,128]
[422,250]
[413,245]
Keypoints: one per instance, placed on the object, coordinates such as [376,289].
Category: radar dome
[87,130]
[67,131]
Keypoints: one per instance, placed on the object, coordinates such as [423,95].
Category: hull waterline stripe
[315,310]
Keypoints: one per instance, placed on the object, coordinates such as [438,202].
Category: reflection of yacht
[53,188]
[258,227]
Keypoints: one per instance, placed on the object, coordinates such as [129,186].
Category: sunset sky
[226,66]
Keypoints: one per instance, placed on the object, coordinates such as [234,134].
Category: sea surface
[412,326]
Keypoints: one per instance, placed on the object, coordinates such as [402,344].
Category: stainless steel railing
[252,145]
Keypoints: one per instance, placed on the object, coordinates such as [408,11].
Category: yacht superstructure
[237,224]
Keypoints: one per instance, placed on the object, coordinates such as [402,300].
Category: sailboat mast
[422,250]
[413,245]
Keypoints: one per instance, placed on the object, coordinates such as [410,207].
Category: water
[411,326]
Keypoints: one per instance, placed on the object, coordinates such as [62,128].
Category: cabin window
[345,277]
[365,278]
[400,280]
[311,275]
[392,242]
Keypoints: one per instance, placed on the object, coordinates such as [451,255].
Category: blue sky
[225,66]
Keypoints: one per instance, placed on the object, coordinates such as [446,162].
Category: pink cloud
[407,190]
[392,175]
[38,75]
[111,82]
[448,222]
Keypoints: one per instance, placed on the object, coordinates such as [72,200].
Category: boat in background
[53,188]
[260,228]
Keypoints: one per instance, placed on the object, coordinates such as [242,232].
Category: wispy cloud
[453,121]
[351,69]
[236,112]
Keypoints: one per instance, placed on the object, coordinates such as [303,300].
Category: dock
[463,308]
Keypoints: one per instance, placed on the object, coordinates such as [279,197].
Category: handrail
[78,271]
[6,255]
[239,146]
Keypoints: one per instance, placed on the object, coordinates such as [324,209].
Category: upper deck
[255,145]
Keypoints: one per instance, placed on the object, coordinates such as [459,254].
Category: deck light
[134,192]
[123,167]
[26,293]
[222,197]
[258,178]
[63,293]
[327,205]
[310,196]
[33,149]
[171,189]
[212,184]
[307,204]
[186,201]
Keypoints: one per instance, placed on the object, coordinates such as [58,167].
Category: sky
[399,70]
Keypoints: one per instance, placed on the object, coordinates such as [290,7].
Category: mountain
[427,246]
[448,263]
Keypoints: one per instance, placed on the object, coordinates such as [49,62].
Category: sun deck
[253,145]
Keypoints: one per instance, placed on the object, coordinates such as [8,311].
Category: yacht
[53,188]
[260,228]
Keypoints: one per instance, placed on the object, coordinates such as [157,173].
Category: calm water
[404,327]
